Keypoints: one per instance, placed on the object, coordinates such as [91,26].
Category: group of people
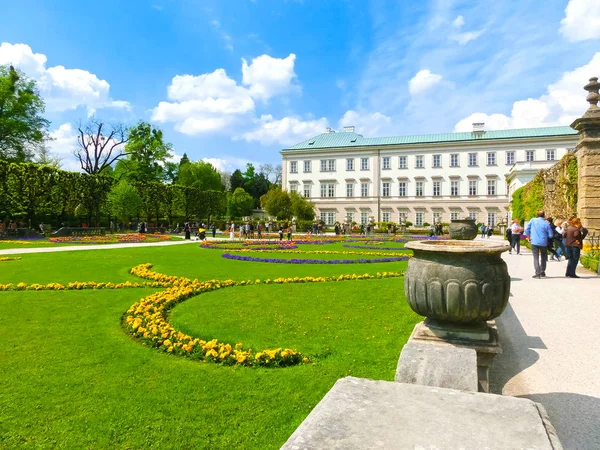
[436,229]
[486,231]
[546,233]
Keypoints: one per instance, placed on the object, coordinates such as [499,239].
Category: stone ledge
[358,413]
[429,364]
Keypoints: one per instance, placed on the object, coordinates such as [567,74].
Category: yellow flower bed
[148,319]
[9,258]
[35,241]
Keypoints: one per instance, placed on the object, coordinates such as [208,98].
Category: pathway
[549,335]
[69,248]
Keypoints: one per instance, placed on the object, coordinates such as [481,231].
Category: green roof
[344,139]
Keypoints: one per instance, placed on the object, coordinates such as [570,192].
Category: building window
[454,160]
[510,158]
[386,216]
[364,189]
[350,216]
[402,189]
[350,164]
[307,190]
[402,162]
[386,162]
[328,165]
[419,188]
[550,154]
[419,219]
[437,216]
[473,215]
[328,217]
[491,187]
[491,219]
[364,217]
[454,188]
[454,215]
[419,161]
[472,187]
[472,159]
[437,160]
[386,189]
[530,155]
[437,188]
[293,187]
[306,166]
[350,190]
[293,166]
[491,158]
[327,190]
[401,217]
[364,163]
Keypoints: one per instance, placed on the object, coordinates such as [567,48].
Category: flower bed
[9,258]
[254,246]
[372,247]
[111,239]
[314,261]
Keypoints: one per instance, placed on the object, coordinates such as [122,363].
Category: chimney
[478,128]
[349,129]
[329,130]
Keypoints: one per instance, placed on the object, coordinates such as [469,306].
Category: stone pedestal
[481,337]
[364,414]
[588,161]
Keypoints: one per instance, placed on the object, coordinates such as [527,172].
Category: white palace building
[420,178]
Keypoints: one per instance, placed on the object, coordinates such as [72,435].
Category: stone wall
[562,203]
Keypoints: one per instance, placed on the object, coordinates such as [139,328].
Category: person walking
[232,231]
[558,238]
[538,233]
[515,234]
[280,233]
[576,233]
[490,231]
[213,228]
[483,230]
[555,255]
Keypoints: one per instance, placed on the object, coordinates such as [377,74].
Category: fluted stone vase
[457,282]
[463,229]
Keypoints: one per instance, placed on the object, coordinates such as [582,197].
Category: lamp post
[550,185]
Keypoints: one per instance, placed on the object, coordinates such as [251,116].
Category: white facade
[418,182]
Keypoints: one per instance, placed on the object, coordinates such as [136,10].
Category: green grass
[73,379]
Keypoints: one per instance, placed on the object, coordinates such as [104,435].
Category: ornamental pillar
[588,160]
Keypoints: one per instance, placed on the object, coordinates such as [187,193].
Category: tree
[44,157]
[239,203]
[124,200]
[22,126]
[301,208]
[236,180]
[277,203]
[201,175]
[171,172]
[99,145]
[184,160]
[148,153]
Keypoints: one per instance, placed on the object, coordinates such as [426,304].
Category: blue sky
[236,81]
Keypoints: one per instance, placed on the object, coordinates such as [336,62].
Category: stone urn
[463,229]
[457,282]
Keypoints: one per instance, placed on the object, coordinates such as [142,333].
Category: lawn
[72,377]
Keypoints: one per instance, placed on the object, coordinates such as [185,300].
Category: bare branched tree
[99,145]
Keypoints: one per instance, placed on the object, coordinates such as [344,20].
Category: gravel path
[70,248]
[549,335]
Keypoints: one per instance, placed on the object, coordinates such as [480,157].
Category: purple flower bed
[251,247]
[313,261]
[372,247]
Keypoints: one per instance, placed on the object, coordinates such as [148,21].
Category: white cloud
[458,22]
[464,38]
[563,103]
[64,144]
[63,89]
[286,131]
[267,76]
[581,21]
[229,163]
[213,101]
[423,81]
[226,38]
[368,124]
